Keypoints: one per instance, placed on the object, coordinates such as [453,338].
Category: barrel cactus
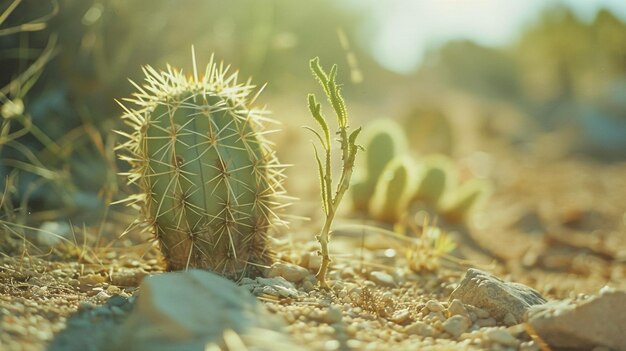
[209,181]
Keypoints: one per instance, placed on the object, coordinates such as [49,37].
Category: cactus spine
[384,140]
[209,180]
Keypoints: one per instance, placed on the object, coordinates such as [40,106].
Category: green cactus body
[436,176]
[466,198]
[384,140]
[209,180]
[393,191]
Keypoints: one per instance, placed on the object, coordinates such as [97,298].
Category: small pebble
[308,286]
[382,278]
[333,315]
[419,328]
[456,308]
[290,272]
[456,325]
[435,316]
[502,337]
[509,320]
[435,306]
[486,322]
[401,316]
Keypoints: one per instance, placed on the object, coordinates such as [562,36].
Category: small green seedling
[349,148]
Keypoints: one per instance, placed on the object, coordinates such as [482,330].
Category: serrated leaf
[319,73]
[353,136]
[315,109]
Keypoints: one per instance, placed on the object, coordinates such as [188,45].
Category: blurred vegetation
[64,62]
[563,71]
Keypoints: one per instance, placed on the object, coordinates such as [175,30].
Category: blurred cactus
[394,184]
[394,189]
[436,176]
[384,140]
[209,180]
[465,198]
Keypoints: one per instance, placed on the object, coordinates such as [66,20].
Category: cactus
[394,190]
[209,181]
[465,198]
[384,141]
[437,175]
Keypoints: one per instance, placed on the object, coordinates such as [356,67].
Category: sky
[404,30]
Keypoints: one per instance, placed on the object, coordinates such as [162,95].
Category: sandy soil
[555,226]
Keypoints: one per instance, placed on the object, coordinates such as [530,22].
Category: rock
[501,337]
[290,272]
[53,233]
[312,262]
[277,286]
[383,279]
[401,316]
[509,320]
[486,322]
[456,325]
[332,315]
[435,306]
[127,276]
[497,297]
[88,282]
[419,328]
[190,310]
[598,321]
[456,308]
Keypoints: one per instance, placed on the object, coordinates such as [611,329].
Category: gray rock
[382,279]
[290,272]
[502,337]
[598,321]
[189,310]
[456,325]
[419,328]
[456,308]
[276,286]
[497,297]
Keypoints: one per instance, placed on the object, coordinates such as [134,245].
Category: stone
[190,310]
[596,321]
[456,308]
[486,322]
[419,328]
[127,276]
[435,306]
[456,325]
[497,297]
[277,286]
[291,272]
[53,233]
[401,317]
[501,337]
[382,279]
[332,315]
